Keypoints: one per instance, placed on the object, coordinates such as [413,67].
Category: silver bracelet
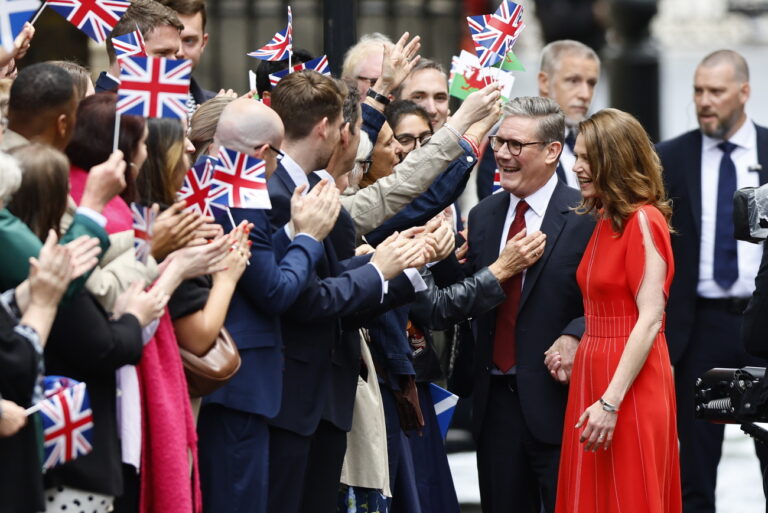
[608,406]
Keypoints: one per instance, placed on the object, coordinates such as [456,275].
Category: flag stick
[32,409]
[231,219]
[117,133]
[37,14]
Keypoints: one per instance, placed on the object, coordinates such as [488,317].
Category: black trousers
[715,342]
[323,474]
[517,472]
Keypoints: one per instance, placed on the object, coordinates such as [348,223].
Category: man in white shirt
[568,74]
[714,273]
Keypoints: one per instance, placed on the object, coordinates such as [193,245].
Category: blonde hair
[202,127]
[626,171]
[359,52]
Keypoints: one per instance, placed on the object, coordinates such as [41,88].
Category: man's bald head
[250,127]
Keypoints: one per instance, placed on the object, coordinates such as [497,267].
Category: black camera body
[732,396]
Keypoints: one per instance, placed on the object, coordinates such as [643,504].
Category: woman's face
[140,155]
[385,153]
[411,132]
[582,170]
[181,170]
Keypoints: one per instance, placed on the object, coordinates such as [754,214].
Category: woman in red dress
[619,450]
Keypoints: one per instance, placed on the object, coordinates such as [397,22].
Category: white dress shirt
[568,160]
[744,156]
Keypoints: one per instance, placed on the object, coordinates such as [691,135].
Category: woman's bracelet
[608,406]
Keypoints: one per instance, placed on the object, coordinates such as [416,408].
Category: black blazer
[312,326]
[550,305]
[681,160]
[85,345]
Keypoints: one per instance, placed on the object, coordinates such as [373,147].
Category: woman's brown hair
[41,200]
[165,165]
[626,172]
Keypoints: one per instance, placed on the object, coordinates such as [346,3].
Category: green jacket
[18,243]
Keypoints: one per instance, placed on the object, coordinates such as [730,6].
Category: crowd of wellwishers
[336,296]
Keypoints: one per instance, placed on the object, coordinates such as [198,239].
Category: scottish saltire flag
[445,405]
[96,18]
[13,15]
[67,421]
[281,45]
[143,219]
[129,45]
[239,181]
[153,87]
[320,65]
[197,185]
[495,34]
[496,181]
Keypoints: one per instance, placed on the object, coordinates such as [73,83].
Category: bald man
[234,439]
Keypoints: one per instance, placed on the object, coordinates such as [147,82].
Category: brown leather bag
[212,370]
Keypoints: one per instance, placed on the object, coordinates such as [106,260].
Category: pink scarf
[117,211]
[168,429]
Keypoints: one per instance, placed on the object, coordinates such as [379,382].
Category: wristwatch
[378,97]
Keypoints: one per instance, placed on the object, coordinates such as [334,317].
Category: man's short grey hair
[10,177]
[359,51]
[735,59]
[554,52]
[551,119]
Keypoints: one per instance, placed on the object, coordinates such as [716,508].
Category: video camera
[750,214]
[734,396]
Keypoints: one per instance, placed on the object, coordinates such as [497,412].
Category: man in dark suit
[714,274]
[310,106]
[234,440]
[518,406]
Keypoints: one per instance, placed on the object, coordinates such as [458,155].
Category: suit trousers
[323,474]
[234,457]
[288,458]
[402,477]
[715,342]
[516,471]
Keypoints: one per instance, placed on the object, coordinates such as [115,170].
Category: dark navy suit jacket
[550,305]
[681,160]
[268,287]
[312,326]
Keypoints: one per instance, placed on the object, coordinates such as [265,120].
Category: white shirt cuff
[416,280]
[288,231]
[93,215]
[384,283]
[307,235]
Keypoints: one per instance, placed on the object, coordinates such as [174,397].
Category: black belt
[732,305]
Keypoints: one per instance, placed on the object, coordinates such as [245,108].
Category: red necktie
[504,356]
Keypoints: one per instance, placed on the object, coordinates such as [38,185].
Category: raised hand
[239,253]
[105,181]
[398,62]
[315,213]
[196,261]
[483,104]
[520,252]
[174,229]
[84,252]
[395,254]
[50,273]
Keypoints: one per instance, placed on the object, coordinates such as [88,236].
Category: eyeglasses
[364,165]
[370,80]
[514,147]
[279,154]
[410,142]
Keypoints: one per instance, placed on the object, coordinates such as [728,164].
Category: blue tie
[726,268]
[570,139]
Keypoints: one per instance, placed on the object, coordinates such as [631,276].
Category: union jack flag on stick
[320,65]
[96,18]
[239,181]
[496,181]
[67,420]
[143,219]
[281,46]
[495,34]
[197,186]
[153,87]
[129,45]
[13,15]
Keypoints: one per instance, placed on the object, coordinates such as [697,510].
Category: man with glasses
[363,61]
[518,407]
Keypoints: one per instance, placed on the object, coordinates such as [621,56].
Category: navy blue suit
[700,335]
[233,433]
[311,330]
[518,424]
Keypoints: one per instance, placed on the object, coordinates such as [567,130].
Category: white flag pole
[38,13]
[117,133]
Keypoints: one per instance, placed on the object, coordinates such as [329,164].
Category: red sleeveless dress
[640,473]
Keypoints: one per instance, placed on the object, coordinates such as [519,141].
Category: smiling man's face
[524,174]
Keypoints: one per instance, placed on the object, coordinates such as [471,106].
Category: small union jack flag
[197,186]
[495,34]
[496,181]
[153,87]
[320,65]
[97,18]
[239,181]
[129,45]
[143,219]
[281,45]
[67,421]
[13,15]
